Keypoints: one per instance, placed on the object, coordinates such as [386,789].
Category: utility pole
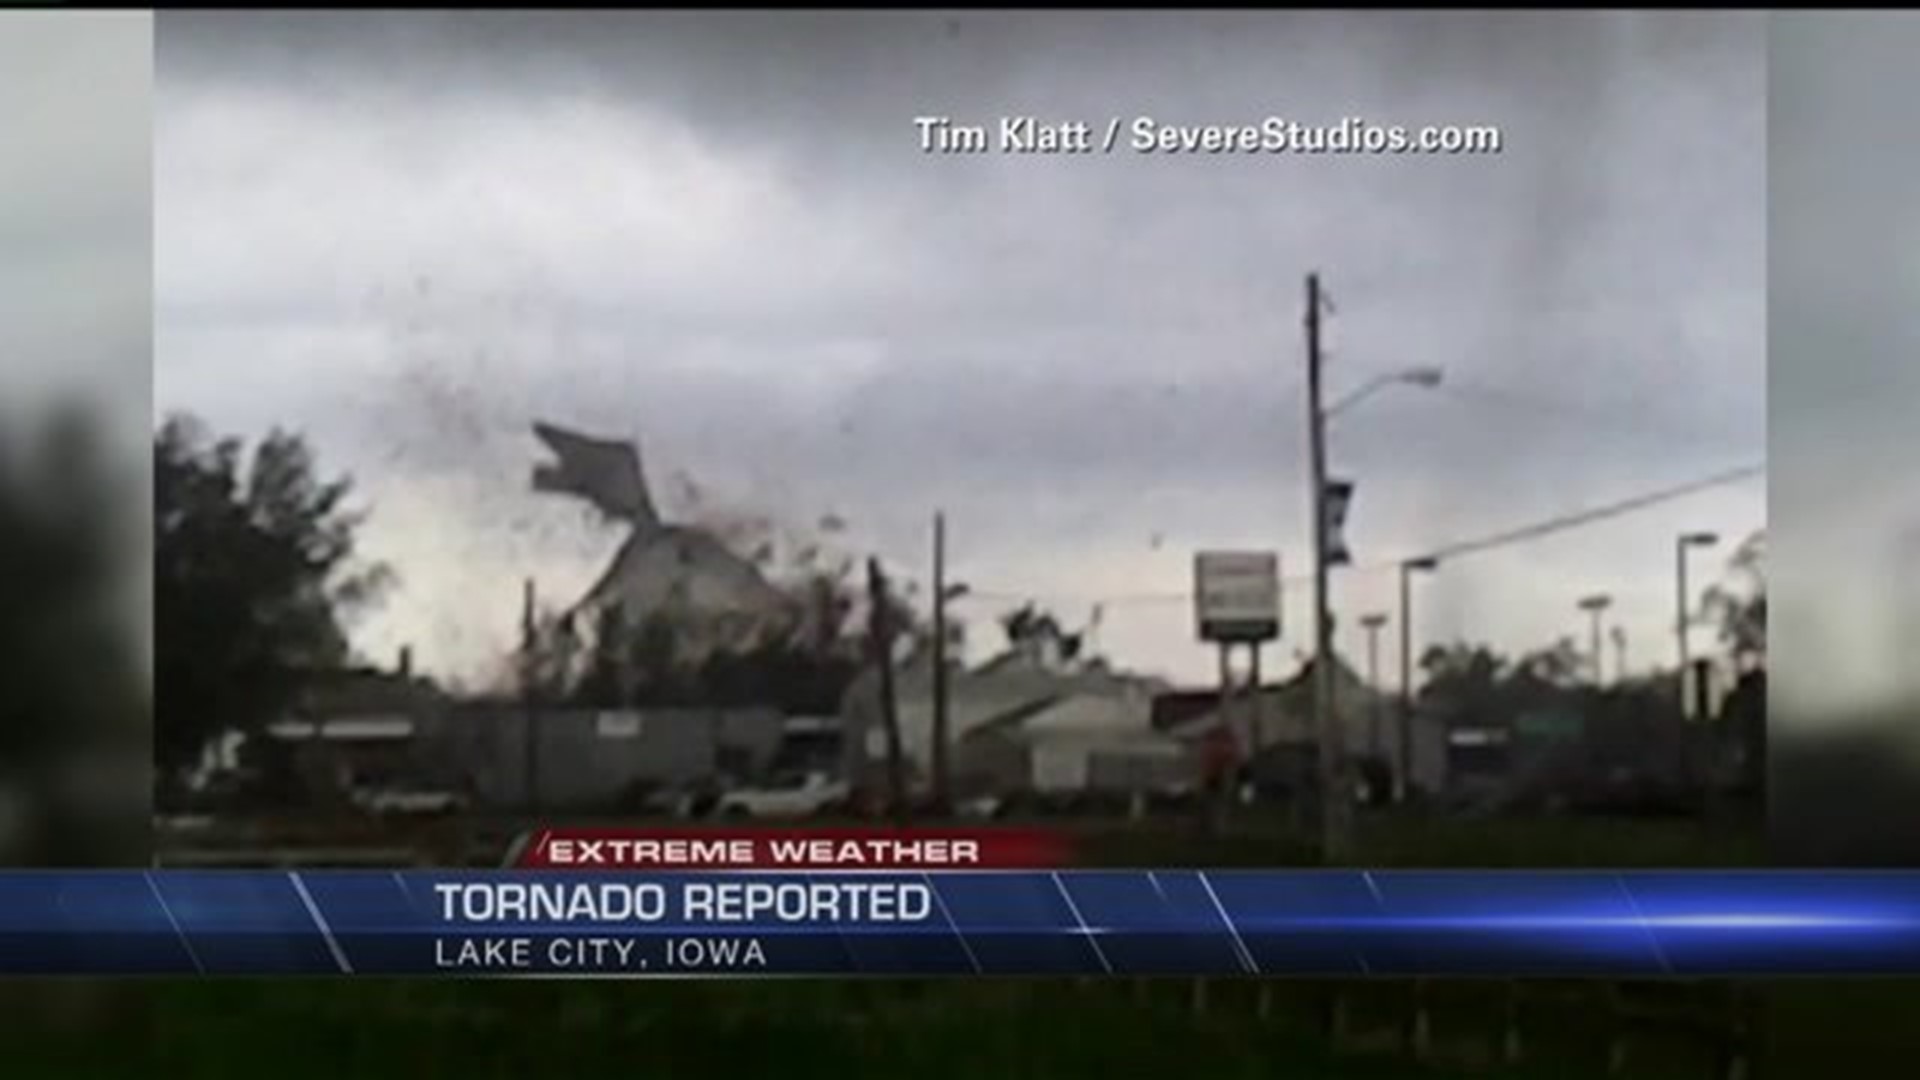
[1402,774]
[1619,634]
[1223,798]
[1256,710]
[1238,711]
[941,790]
[880,636]
[1682,616]
[1336,807]
[1373,623]
[529,693]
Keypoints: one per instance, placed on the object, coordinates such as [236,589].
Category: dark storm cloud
[716,231]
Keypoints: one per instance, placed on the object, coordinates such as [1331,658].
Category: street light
[1427,377]
[1372,624]
[1681,545]
[1596,606]
[1408,568]
[1336,825]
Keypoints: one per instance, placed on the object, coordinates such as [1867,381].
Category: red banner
[795,849]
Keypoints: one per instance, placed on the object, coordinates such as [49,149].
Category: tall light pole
[1336,808]
[1336,816]
[1596,606]
[1684,608]
[1373,623]
[1408,568]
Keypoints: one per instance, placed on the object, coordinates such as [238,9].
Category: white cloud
[281,202]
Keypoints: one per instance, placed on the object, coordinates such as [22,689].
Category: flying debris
[717,598]
[605,472]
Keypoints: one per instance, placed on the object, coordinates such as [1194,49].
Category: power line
[1155,597]
[1599,513]
[1454,550]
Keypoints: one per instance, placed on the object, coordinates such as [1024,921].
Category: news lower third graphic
[789,849]
[752,922]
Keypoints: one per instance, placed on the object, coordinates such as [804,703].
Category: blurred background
[1843,266]
[75,390]
[1844,271]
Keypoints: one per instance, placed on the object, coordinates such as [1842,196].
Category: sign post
[1237,603]
[1237,596]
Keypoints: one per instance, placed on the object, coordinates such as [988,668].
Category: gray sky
[409,235]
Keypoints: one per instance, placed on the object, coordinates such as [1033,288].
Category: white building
[1282,715]
[1022,720]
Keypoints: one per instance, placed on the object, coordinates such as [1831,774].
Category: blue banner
[1133,922]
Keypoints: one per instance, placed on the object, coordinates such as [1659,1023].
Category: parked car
[689,800]
[982,807]
[395,801]
[793,795]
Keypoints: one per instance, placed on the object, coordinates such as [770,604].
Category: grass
[789,1029]
[922,1030]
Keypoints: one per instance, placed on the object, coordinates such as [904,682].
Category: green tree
[1464,679]
[255,571]
[1739,604]
[1477,685]
[1558,665]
